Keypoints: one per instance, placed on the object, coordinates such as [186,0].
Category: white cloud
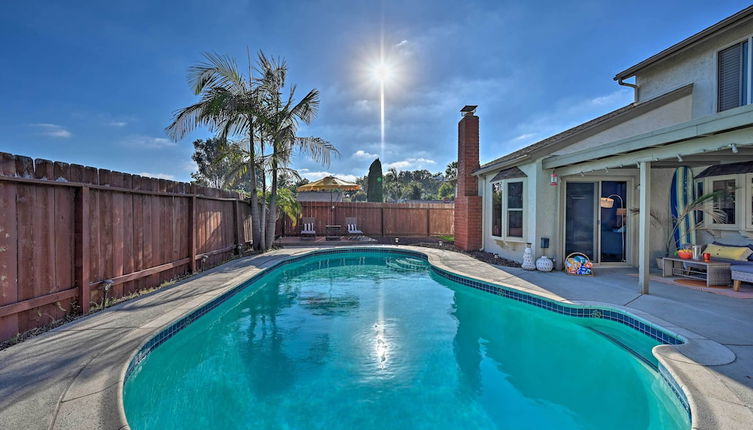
[117,123]
[363,155]
[158,175]
[525,136]
[148,142]
[410,164]
[564,116]
[52,130]
[315,176]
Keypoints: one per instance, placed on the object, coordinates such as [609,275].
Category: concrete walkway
[71,377]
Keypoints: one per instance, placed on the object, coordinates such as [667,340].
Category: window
[507,209]
[750,201]
[733,76]
[497,209]
[725,202]
[515,209]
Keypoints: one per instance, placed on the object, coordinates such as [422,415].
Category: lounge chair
[308,228]
[351,226]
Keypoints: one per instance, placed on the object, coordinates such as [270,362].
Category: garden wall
[66,228]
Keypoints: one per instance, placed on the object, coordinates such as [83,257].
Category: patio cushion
[749,245]
[747,268]
[738,253]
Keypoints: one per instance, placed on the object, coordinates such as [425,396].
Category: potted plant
[702,204]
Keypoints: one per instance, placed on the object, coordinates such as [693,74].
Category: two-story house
[603,187]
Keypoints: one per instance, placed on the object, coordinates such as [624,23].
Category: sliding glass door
[580,218]
[613,222]
[596,220]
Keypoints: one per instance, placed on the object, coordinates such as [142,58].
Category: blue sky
[95,83]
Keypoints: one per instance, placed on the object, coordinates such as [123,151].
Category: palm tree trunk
[255,218]
[272,220]
[264,245]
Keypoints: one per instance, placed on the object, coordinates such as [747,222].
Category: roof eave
[686,43]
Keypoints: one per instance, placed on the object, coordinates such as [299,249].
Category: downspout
[620,81]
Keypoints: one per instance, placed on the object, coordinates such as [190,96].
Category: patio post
[644,226]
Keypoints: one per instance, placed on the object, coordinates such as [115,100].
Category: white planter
[528,263]
[544,264]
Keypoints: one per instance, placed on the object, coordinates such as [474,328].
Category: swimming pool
[380,339]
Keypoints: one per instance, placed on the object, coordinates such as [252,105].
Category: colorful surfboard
[682,194]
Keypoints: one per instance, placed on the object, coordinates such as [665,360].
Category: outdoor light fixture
[733,146]
[554,179]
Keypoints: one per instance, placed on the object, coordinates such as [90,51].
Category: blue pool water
[377,341]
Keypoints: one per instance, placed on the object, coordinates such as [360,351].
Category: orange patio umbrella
[330,183]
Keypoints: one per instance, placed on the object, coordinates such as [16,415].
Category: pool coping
[711,403]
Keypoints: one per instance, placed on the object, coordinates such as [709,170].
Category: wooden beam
[26,305]
[35,181]
[644,227]
[236,228]
[146,272]
[81,248]
[192,232]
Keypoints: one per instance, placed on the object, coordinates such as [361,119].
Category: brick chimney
[467,201]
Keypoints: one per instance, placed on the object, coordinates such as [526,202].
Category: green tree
[217,163]
[375,189]
[414,191]
[446,191]
[451,173]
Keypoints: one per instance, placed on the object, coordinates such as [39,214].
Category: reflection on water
[374,342]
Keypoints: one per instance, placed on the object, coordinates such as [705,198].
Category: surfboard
[681,195]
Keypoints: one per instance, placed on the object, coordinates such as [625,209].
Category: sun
[383,72]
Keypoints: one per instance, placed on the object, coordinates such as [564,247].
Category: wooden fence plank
[74,226]
[8,247]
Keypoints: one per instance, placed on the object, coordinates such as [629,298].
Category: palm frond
[217,71]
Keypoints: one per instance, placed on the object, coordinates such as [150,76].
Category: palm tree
[229,105]
[232,104]
[280,126]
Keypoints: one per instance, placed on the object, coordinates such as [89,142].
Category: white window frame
[708,187]
[505,220]
[747,192]
[749,39]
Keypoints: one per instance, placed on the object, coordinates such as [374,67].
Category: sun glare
[383,72]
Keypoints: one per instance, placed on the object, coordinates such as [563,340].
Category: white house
[692,108]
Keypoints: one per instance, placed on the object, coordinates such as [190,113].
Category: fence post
[236,226]
[428,224]
[192,230]
[381,219]
[82,248]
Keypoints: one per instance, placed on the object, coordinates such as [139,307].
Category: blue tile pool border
[578,311]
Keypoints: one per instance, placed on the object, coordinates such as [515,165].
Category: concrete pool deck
[71,376]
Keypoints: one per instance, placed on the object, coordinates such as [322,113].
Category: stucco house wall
[675,112]
[695,65]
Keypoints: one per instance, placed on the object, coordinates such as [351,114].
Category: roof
[727,169]
[512,172]
[687,43]
[589,128]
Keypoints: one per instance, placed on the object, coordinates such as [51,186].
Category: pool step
[406,264]
[635,353]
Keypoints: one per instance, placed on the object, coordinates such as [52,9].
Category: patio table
[333,231]
[716,273]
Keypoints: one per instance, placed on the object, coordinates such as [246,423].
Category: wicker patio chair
[351,226]
[308,228]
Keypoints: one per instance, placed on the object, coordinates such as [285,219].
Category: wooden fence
[379,219]
[66,228]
